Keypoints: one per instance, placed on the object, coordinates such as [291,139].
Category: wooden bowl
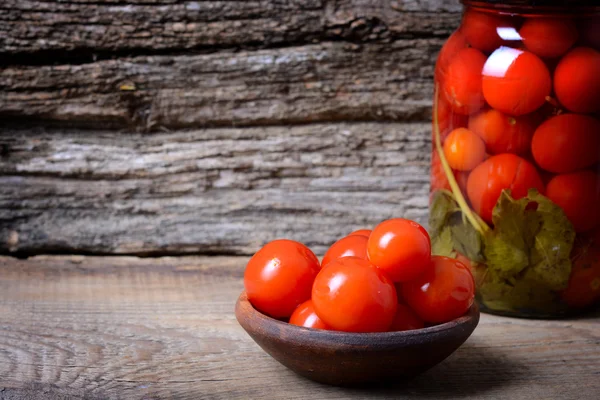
[348,359]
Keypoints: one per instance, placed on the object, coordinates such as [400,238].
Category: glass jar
[515,180]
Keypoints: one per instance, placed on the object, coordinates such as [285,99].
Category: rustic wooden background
[164,127]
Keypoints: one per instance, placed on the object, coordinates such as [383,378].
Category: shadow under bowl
[350,359]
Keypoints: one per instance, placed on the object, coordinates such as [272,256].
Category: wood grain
[333,81]
[306,69]
[88,28]
[132,328]
[206,191]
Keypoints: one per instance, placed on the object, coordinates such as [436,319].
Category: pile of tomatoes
[369,281]
[518,108]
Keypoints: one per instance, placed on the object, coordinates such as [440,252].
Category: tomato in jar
[515,179]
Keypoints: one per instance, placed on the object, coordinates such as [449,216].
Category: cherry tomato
[350,246]
[462,86]
[444,292]
[406,320]
[577,80]
[504,171]
[515,82]
[464,150]
[438,176]
[481,30]
[503,133]
[279,277]
[401,248]
[578,194]
[548,37]
[361,232]
[448,120]
[567,143]
[453,45]
[462,177]
[305,316]
[584,283]
[351,295]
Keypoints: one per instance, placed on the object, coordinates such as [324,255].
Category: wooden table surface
[131,328]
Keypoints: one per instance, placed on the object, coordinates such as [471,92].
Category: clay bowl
[349,359]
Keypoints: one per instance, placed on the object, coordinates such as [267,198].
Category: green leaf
[466,240]
[450,230]
[517,294]
[442,205]
[523,262]
[553,241]
[531,241]
[506,250]
[441,244]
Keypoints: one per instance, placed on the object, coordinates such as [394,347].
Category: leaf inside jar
[523,261]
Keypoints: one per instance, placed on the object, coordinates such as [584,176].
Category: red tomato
[515,82]
[481,30]
[351,295]
[401,248]
[504,171]
[279,277]
[444,292]
[361,232]
[438,176]
[462,86]
[350,246]
[584,283]
[448,120]
[567,143]
[406,320]
[464,150]
[462,177]
[577,80]
[305,316]
[549,37]
[503,133]
[464,260]
[578,194]
[453,45]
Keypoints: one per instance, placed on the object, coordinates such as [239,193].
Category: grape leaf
[550,255]
[532,238]
[466,240]
[521,294]
[441,244]
[442,205]
[506,250]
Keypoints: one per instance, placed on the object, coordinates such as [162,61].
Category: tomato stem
[477,223]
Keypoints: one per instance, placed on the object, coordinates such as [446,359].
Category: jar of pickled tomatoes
[515,180]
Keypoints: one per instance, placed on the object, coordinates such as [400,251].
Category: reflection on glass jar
[515,178]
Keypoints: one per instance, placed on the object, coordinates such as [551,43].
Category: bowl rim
[243,306]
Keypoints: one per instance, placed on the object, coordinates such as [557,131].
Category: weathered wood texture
[213,190]
[162,65]
[101,26]
[333,60]
[323,82]
[116,328]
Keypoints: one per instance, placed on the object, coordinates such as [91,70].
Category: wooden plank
[164,328]
[98,27]
[332,81]
[207,191]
